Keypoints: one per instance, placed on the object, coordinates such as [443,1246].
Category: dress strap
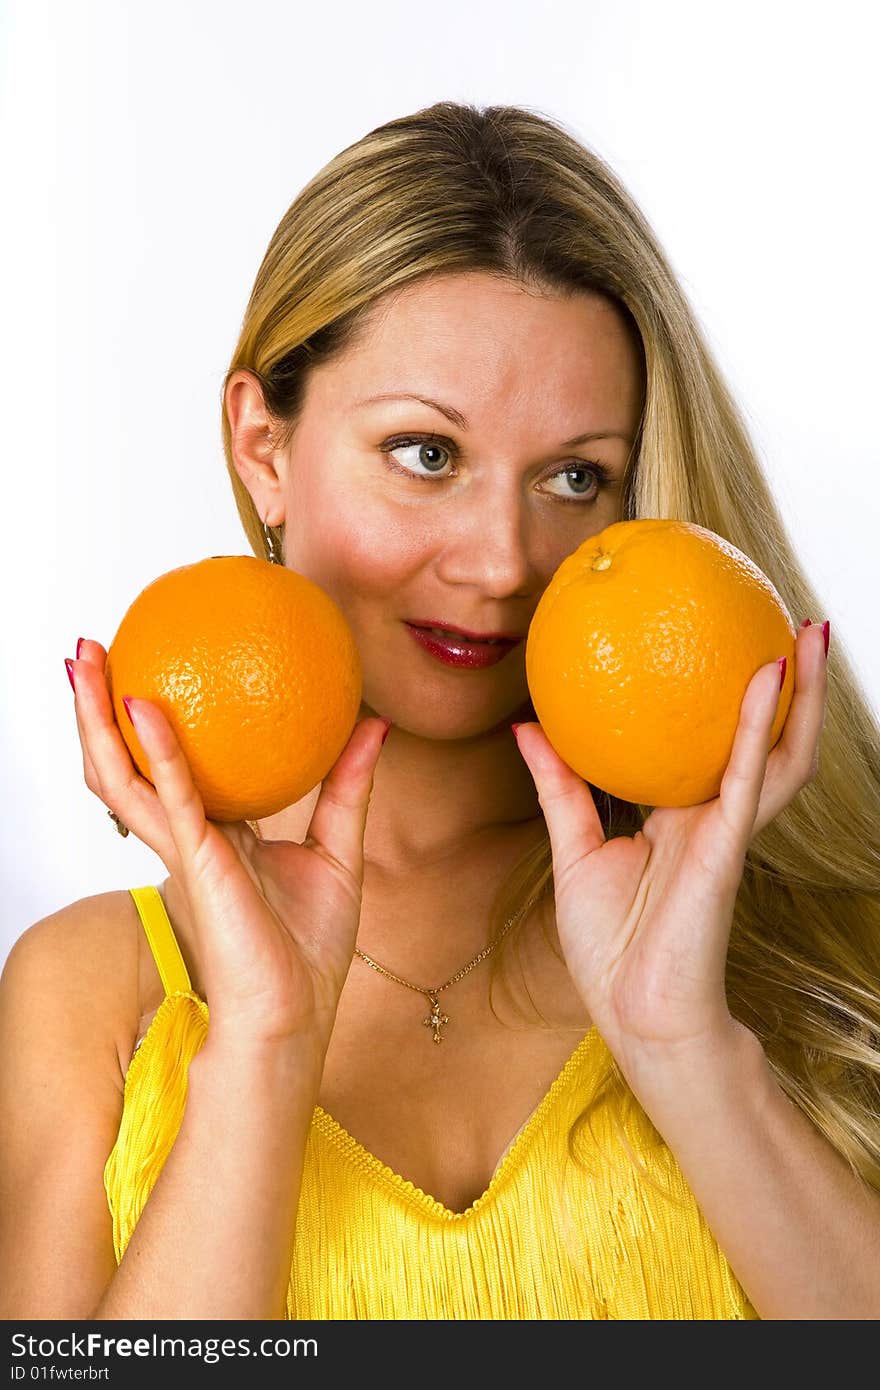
[161,938]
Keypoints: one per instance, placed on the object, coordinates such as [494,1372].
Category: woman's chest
[438,1089]
[440,1115]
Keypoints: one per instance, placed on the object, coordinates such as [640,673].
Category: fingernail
[826,633]
[808,622]
[515,727]
[388,723]
[69,664]
[782,663]
[79,642]
[126,700]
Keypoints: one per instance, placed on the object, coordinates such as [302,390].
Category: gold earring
[274,552]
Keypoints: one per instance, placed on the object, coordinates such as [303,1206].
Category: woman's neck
[434,802]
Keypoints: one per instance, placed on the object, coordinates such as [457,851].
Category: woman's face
[457,513]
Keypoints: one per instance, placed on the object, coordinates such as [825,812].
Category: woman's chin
[447,729]
[423,710]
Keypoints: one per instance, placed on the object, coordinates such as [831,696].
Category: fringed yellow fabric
[548,1239]
[155,1097]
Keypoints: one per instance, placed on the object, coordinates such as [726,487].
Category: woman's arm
[60,1104]
[272,926]
[645,922]
[215,1239]
[799,1229]
[215,1236]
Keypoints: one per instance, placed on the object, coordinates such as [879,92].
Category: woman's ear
[260,465]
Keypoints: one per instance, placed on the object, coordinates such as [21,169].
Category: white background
[149,151]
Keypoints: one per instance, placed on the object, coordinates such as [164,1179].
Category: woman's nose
[488,548]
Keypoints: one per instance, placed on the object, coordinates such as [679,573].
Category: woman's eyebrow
[448,410]
[456,417]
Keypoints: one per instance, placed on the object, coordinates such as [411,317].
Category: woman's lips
[454,650]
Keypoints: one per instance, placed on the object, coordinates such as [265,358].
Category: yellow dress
[548,1239]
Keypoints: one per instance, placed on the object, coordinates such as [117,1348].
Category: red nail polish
[514,727]
[69,665]
[808,622]
[782,663]
[126,700]
[79,642]
[388,723]
[826,633]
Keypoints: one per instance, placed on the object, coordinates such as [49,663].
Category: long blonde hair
[511,192]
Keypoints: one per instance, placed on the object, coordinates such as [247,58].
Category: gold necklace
[435,1019]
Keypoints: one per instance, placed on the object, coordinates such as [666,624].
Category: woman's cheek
[380,557]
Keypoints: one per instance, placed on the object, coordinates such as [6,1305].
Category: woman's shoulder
[96,936]
[68,1000]
[79,971]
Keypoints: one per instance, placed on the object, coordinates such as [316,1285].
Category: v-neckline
[590,1045]
[395,1182]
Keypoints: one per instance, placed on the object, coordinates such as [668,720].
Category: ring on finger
[122,828]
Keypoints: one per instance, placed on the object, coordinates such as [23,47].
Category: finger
[743,779]
[340,815]
[94,653]
[795,758]
[171,777]
[573,822]
[90,775]
[107,764]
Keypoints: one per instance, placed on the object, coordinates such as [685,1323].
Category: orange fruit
[639,653]
[256,670]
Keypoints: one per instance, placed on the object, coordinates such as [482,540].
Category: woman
[673,1112]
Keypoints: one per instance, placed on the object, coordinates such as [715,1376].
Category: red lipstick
[454,647]
[466,632]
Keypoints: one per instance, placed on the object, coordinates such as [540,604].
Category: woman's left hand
[644,921]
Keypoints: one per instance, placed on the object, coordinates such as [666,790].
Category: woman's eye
[424,459]
[577,482]
[414,454]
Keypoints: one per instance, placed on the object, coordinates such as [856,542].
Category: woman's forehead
[463,299]
[476,338]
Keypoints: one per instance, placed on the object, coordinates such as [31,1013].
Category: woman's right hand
[274,923]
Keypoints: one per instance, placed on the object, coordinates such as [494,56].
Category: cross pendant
[435,1018]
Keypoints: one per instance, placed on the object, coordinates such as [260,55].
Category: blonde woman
[458,1036]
